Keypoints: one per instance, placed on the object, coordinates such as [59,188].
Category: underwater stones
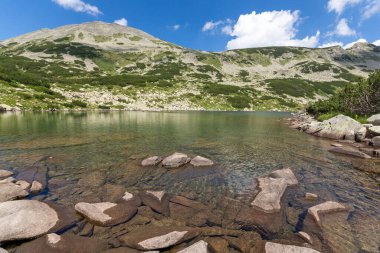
[5,174]
[11,191]
[157,200]
[155,238]
[25,219]
[326,207]
[268,199]
[23,184]
[200,161]
[305,236]
[349,152]
[336,145]
[271,247]
[175,160]
[198,247]
[311,196]
[106,213]
[287,174]
[151,161]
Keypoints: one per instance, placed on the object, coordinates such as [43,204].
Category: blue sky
[212,25]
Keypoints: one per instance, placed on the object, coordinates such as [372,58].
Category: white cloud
[272,28]
[353,43]
[342,29]
[331,44]
[122,21]
[377,43]
[79,6]
[371,9]
[211,25]
[176,27]
[227,29]
[339,5]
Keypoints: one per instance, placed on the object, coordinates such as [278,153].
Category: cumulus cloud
[343,29]
[271,28]
[376,42]
[79,6]
[331,44]
[122,21]
[353,43]
[339,5]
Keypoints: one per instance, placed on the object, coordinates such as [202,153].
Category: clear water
[110,145]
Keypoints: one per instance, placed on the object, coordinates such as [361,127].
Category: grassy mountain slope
[100,65]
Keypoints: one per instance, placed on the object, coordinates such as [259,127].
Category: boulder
[151,161]
[375,130]
[311,196]
[367,126]
[326,207]
[350,152]
[200,161]
[5,174]
[157,200]
[375,120]
[53,243]
[25,219]
[199,247]
[36,187]
[361,134]
[175,160]
[11,191]
[271,247]
[156,238]
[23,184]
[339,127]
[106,213]
[268,199]
[376,141]
[286,174]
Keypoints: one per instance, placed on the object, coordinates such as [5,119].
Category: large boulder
[151,161]
[287,174]
[271,247]
[339,127]
[200,161]
[25,219]
[375,130]
[175,160]
[350,152]
[11,191]
[199,247]
[53,243]
[106,213]
[268,199]
[156,238]
[5,174]
[157,200]
[375,120]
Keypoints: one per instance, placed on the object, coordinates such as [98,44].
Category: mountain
[101,65]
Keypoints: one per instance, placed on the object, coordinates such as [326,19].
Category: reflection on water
[94,149]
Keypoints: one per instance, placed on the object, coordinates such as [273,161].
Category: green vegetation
[356,99]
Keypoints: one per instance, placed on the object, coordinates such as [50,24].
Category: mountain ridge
[78,63]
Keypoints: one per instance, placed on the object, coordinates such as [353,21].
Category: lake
[91,150]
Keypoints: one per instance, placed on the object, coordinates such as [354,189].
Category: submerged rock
[157,200]
[36,187]
[175,160]
[311,196]
[25,219]
[305,236]
[286,174]
[271,247]
[5,174]
[23,184]
[339,127]
[11,191]
[349,152]
[200,161]
[199,247]
[151,161]
[326,207]
[375,120]
[155,238]
[269,198]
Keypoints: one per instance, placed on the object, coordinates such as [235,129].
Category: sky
[209,25]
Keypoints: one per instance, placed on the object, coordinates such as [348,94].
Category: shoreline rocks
[374,120]
[200,161]
[175,160]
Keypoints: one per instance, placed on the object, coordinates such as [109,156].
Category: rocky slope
[100,65]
